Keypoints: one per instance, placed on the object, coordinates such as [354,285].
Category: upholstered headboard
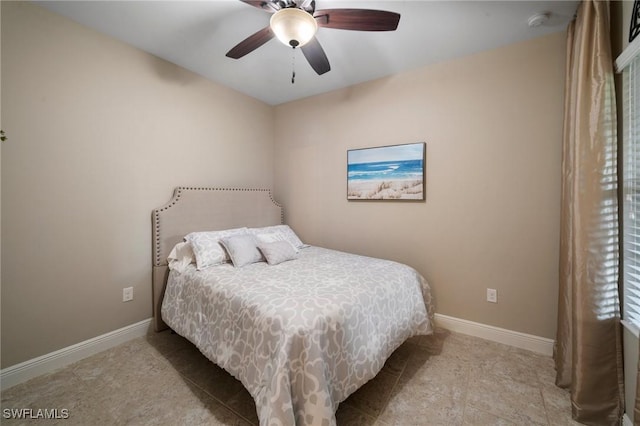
[203,209]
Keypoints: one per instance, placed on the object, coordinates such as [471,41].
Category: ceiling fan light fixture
[293,27]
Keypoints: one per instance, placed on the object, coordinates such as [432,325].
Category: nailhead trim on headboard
[176,197]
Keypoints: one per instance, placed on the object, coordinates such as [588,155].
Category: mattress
[302,335]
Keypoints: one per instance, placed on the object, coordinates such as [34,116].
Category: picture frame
[387,173]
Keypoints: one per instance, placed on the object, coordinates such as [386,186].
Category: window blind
[631,192]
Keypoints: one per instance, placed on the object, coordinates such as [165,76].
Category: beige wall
[621,11]
[493,127]
[100,134]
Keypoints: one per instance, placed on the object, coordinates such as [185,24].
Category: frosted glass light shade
[293,27]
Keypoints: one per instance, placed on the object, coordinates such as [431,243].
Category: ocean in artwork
[386,170]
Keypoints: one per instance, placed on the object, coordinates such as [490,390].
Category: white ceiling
[197,34]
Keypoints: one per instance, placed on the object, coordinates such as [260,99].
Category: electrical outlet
[127,294]
[492,295]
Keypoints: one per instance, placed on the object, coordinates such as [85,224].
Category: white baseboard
[530,342]
[24,371]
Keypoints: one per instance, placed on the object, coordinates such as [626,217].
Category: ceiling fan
[295,22]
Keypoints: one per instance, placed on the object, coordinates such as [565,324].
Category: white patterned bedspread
[302,335]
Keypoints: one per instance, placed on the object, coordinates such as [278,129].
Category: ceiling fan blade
[357,19]
[265,5]
[251,43]
[316,56]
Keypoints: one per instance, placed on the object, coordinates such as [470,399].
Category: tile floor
[161,379]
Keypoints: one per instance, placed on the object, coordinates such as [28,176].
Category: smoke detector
[538,19]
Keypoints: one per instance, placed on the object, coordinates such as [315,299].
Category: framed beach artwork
[394,172]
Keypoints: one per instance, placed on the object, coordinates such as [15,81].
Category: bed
[302,333]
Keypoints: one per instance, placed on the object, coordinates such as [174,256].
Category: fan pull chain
[293,66]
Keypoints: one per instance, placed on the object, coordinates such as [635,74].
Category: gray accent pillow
[278,252]
[242,249]
[206,246]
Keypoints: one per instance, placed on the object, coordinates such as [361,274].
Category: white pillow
[278,252]
[272,237]
[242,249]
[278,233]
[181,256]
[207,249]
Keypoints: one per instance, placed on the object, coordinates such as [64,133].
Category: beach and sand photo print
[394,172]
